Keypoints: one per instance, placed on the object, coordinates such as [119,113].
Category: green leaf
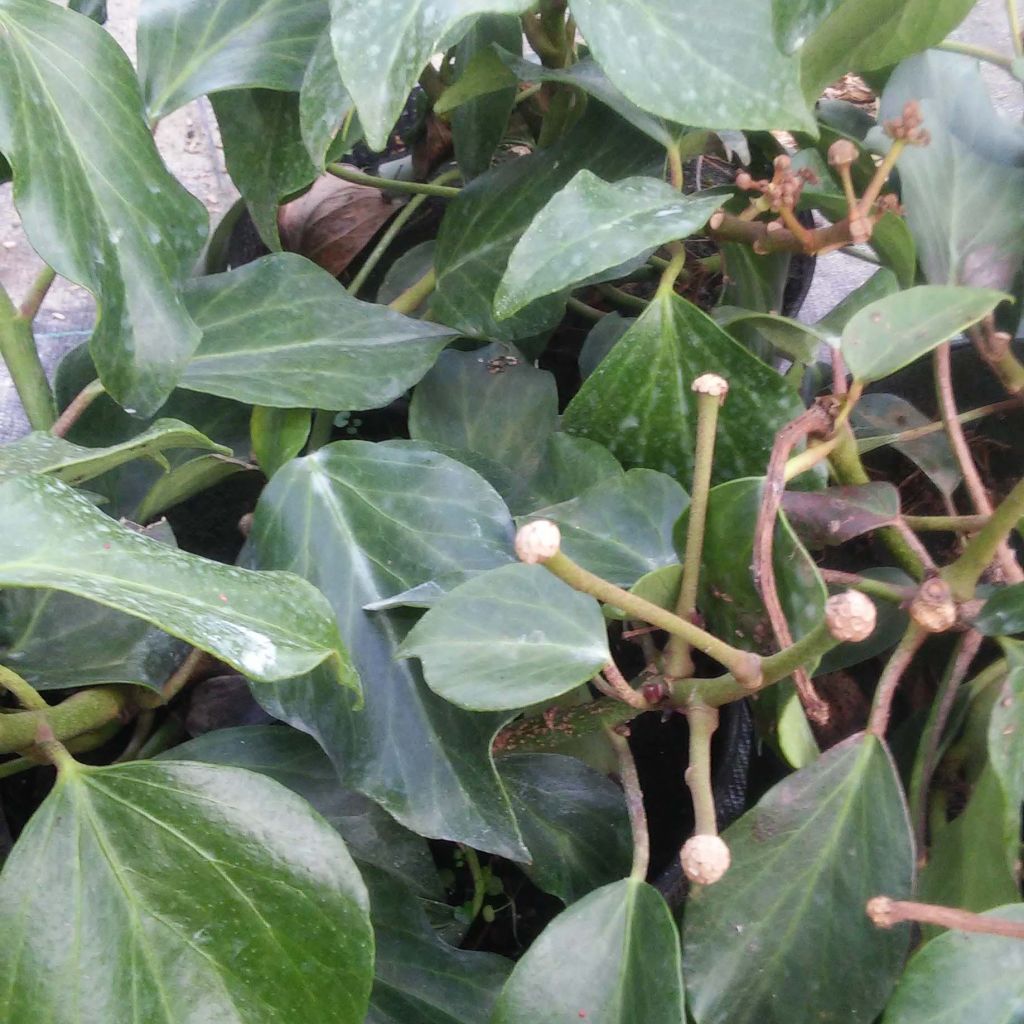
[805,861]
[509,638]
[621,528]
[961,978]
[799,341]
[191,47]
[794,20]
[94,196]
[482,225]
[838,514]
[601,339]
[1006,748]
[381,48]
[888,334]
[970,231]
[324,103]
[282,332]
[574,823]
[95,9]
[1003,613]
[197,886]
[278,435]
[863,35]
[390,517]
[638,401]
[483,74]
[267,625]
[612,957]
[590,226]
[685,65]
[881,283]
[569,466]
[185,480]
[41,452]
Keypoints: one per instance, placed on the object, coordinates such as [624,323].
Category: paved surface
[189,143]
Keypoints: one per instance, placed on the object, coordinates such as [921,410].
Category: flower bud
[850,616]
[538,541]
[711,384]
[933,607]
[704,859]
[841,153]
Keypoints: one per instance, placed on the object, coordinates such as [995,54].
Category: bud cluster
[785,187]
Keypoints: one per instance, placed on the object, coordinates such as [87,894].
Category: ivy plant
[459,585]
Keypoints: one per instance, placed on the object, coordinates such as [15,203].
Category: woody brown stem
[885,913]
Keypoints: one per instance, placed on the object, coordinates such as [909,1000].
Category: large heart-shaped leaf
[191,47]
[569,466]
[889,333]
[382,47]
[324,102]
[282,332]
[639,404]
[590,226]
[509,638]
[267,625]
[481,226]
[574,823]
[783,937]
[162,889]
[390,517]
[684,64]
[612,957]
[94,197]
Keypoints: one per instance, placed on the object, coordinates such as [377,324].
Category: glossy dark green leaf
[266,625]
[479,123]
[601,339]
[95,9]
[490,401]
[568,467]
[41,452]
[611,957]
[481,227]
[278,435]
[191,47]
[728,598]
[184,481]
[962,978]
[406,271]
[1003,613]
[390,517]
[886,335]
[838,514]
[324,103]
[574,823]
[282,332]
[296,761]
[482,73]
[1006,747]
[590,226]
[621,528]
[862,35]
[381,48]
[783,937]
[95,199]
[682,63]
[509,638]
[971,231]
[660,587]
[167,888]
[794,339]
[639,403]
[881,283]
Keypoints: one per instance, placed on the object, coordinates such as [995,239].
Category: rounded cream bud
[841,152]
[933,607]
[704,859]
[711,384]
[850,617]
[538,541]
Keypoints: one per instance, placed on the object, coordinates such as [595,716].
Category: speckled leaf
[601,339]
[970,231]
[590,226]
[482,73]
[1003,613]
[191,47]
[962,978]
[324,103]
[638,401]
[886,335]
[621,528]
[95,199]
[282,332]
[163,890]
[509,638]
[266,625]
[612,957]
[783,937]
[697,66]
[278,435]
[185,480]
[390,517]
[382,47]
[796,340]
[881,283]
[481,226]
[41,452]
[574,823]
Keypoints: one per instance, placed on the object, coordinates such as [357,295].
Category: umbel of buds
[850,616]
[908,127]
[538,541]
[704,859]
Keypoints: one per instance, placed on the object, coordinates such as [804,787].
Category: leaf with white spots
[269,626]
[382,47]
[714,65]
[591,226]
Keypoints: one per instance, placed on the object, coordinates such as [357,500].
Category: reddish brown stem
[726,227]
[885,913]
[891,675]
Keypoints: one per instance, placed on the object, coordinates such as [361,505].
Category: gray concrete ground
[190,145]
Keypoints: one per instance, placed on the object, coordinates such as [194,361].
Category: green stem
[1014,19]
[36,293]
[16,766]
[620,298]
[413,188]
[703,721]
[675,166]
[634,804]
[978,52]
[479,885]
[582,309]
[19,352]
[873,588]
[321,430]
[742,664]
[963,575]
[869,444]
[85,711]
[411,298]
[669,276]
[955,524]
[25,694]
